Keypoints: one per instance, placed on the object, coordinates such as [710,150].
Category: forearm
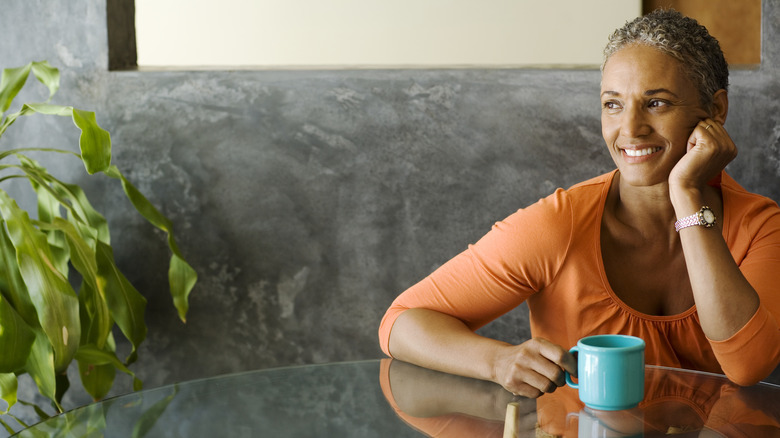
[725,300]
[441,342]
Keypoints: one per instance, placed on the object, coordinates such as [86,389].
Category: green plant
[44,323]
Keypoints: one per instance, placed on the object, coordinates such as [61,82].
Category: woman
[605,256]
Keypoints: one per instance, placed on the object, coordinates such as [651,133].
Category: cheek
[609,130]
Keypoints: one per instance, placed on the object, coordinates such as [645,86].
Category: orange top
[549,255]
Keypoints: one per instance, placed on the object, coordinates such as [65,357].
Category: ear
[720,106]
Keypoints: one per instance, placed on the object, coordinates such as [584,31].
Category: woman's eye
[657,103]
[610,105]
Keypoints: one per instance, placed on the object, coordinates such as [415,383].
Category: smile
[641,152]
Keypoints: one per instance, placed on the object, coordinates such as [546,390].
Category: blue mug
[610,371]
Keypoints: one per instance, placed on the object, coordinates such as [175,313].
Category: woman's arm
[444,343]
[432,323]
[726,301]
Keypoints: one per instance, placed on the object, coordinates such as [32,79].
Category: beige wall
[376,32]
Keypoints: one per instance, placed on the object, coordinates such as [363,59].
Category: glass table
[388,398]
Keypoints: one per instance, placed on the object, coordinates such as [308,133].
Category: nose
[633,122]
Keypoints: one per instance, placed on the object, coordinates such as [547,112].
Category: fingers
[709,150]
[537,367]
[558,355]
[710,132]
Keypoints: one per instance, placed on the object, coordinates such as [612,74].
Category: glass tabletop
[388,398]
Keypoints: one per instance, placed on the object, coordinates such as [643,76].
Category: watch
[704,217]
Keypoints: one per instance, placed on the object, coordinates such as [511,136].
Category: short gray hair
[684,39]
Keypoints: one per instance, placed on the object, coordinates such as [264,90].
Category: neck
[648,208]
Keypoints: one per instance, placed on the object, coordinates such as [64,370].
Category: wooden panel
[736,24]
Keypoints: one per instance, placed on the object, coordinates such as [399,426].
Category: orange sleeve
[753,352]
[495,275]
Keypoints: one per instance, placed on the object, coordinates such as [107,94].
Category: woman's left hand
[709,150]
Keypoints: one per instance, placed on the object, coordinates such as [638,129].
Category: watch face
[708,215]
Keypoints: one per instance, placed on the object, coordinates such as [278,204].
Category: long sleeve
[511,262]
[754,239]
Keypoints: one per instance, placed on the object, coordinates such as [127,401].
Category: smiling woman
[667,247]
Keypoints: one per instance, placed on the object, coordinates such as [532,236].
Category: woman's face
[648,111]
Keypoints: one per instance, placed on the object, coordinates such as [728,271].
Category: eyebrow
[652,92]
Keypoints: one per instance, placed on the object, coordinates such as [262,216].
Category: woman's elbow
[749,376]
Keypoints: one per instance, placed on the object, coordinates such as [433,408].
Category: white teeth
[641,152]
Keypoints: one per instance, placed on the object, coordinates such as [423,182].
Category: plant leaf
[95,142]
[8,387]
[16,339]
[46,108]
[48,75]
[11,83]
[51,294]
[96,321]
[182,279]
[14,289]
[40,366]
[181,276]
[125,303]
[97,380]
[48,210]
[90,354]
[90,223]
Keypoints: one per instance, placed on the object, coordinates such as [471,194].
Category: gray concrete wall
[307,200]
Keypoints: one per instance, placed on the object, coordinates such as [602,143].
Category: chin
[638,179]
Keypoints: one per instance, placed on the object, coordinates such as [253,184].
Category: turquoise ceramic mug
[610,371]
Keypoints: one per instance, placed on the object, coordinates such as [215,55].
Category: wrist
[686,201]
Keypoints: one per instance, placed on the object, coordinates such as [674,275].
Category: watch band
[695,219]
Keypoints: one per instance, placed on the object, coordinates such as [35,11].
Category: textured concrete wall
[307,200]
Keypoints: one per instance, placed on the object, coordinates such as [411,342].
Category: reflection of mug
[612,424]
[610,371]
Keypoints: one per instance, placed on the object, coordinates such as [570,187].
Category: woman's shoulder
[578,204]
[747,214]
[597,183]
[737,200]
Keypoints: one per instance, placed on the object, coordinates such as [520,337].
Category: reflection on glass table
[677,403]
[388,398]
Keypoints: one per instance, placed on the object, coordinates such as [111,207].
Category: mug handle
[569,382]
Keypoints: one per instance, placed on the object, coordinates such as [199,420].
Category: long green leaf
[96,321]
[48,75]
[16,339]
[92,355]
[40,366]
[96,324]
[181,276]
[55,301]
[8,387]
[182,279]
[46,108]
[90,223]
[95,142]
[97,380]
[48,210]
[11,83]
[15,289]
[125,303]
